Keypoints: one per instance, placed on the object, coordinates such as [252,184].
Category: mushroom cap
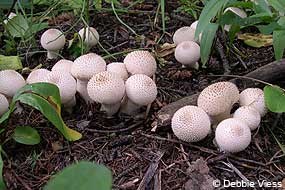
[91,36]
[63,65]
[106,88]
[52,39]
[249,115]
[141,89]
[218,98]
[187,53]
[253,97]
[10,82]
[85,66]
[118,68]
[38,75]
[239,12]
[140,62]
[190,124]
[232,135]
[65,83]
[4,104]
[194,25]
[185,33]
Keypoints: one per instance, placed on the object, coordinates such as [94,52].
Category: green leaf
[2,184]
[274,98]
[17,26]
[26,135]
[281,21]
[208,36]
[234,29]
[279,5]
[10,62]
[279,43]
[36,27]
[82,176]
[6,4]
[98,4]
[269,28]
[261,6]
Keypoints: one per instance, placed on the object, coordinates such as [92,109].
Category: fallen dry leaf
[165,49]
[256,40]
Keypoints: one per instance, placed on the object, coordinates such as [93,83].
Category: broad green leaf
[6,4]
[279,5]
[208,36]
[279,43]
[281,21]
[2,184]
[274,98]
[26,135]
[82,176]
[268,29]
[36,27]
[261,6]
[10,62]
[211,9]
[17,26]
[234,29]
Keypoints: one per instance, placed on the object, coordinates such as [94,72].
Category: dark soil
[126,144]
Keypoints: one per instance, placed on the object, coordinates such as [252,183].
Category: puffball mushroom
[188,53]
[63,65]
[52,40]
[239,12]
[89,35]
[140,62]
[108,89]
[10,82]
[4,104]
[194,25]
[83,68]
[190,124]
[217,100]
[253,97]
[232,135]
[185,33]
[249,115]
[118,68]
[38,75]
[141,90]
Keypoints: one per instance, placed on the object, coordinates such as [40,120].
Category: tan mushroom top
[10,82]
[38,75]
[63,65]
[187,53]
[52,39]
[4,104]
[118,68]
[89,35]
[185,33]
[249,115]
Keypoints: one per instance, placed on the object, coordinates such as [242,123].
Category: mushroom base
[192,66]
[110,109]
[129,107]
[215,120]
[52,54]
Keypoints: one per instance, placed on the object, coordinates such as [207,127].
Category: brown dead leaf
[56,146]
[165,49]
[256,40]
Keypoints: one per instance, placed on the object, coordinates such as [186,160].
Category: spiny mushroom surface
[188,53]
[10,82]
[185,33]
[118,68]
[140,62]
[249,115]
[52,40]
[38,75]
[190,124]
[63,65]
[4,104]
[232,135]
[89,35]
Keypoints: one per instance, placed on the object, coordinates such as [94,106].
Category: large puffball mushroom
[11,15]
[188,53]
[83,68]
[217,100]
[232,135]
[190,124]
[253,97]
[89,35]
[108,89]
[38,75]
[185,33]
[118,68]
[140,62]
[63,65]
[239,12]
[141,90]
[249,115]
[4,104]
[10,82]
[52,40]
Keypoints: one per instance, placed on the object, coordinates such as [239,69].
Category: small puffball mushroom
[188,53]
[194,25]
[4,104]
[253,97]
[140,62]
[10,82]
[108,89]
[118,68]
[249,115]
[63,65]
[11,15]
[190,124]
[185,33]
[232,135]
[38,75]
[239,12]
[217,100]
[89,35]
[52,40]
[141,90]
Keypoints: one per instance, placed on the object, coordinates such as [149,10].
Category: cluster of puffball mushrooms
[214,105]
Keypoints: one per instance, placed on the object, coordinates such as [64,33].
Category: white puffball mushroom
[118,68]
[38,75]
[239,12]
[190,124]
[253,97]
[232,135]
[63,65]
[10,82]
[4,104]
[52,40]
[249,115]
[185,33]
[140,62]
[11,15]
[89,35]
[194,25]
[188,53]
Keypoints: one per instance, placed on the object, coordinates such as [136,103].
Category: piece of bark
[271,72]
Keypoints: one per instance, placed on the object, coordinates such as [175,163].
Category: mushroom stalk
[110,109]
[129,107]
[81,88]
[52,54]
[216,119]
